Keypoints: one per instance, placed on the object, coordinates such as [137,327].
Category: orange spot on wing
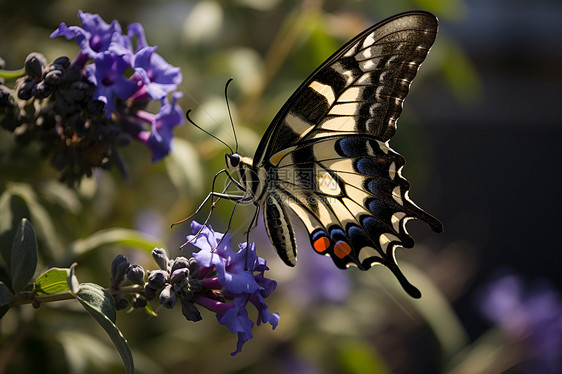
[321,244]
[342,249]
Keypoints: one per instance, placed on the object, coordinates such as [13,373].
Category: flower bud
[41,90]
[63,61]
[34,65]
[149,292]
[119,267]
[25,89]
[120,273]
[160,257]
[139,301]
[121,302]
[136,274]
[193,266]
[179,274]
[157,279]
[53,75]
[180,263]
[116,261]
[190,311]
[5,93]
[168,298]
[182,288]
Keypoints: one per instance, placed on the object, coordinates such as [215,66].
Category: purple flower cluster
[217,278]
[153,79]
[239,280]
[81,111]
[532,316]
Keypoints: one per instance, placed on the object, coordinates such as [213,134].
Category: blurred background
[480,132]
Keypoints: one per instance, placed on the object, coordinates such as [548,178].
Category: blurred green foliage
[269,47]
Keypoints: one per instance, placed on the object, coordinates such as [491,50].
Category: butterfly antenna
[229,113]
[206,132]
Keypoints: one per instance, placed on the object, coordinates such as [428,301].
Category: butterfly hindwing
[354,198]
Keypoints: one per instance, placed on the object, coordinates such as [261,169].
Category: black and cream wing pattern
[326,155]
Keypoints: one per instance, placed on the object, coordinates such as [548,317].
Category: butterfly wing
[359,89]
[326,153]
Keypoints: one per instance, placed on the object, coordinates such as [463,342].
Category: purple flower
[107,75]
[159,139]
[94,37]
[159,77]
[230,265]
[531,315]
[240,278]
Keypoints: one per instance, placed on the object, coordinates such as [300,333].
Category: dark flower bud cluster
[216,278]
[176,280]
[122,270]
[81,111]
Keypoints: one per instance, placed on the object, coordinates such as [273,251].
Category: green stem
[67,295]
[12,74]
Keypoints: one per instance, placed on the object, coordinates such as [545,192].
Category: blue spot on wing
[337,234]
[317,234]
[371,166]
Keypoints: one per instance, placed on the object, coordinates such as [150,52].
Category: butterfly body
[326,157]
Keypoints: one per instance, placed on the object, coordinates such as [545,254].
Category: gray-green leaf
[99,303]
[23,259]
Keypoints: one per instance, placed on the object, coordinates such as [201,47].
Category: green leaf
[99,303]
[126,237]
[23,259]
[5,294]
[52,281]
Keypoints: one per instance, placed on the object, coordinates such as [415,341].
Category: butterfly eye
[234,160]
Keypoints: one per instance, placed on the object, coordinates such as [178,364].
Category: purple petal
[264,315]
[95,35]
[159,140]
[160,77]
[136,30]
[107,76]
[237,321]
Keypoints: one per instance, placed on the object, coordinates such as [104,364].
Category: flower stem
[67,295]
[12,74]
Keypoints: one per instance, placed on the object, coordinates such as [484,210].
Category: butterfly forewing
[326,153]
[359,89]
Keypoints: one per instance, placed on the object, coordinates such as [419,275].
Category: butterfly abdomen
[279,228]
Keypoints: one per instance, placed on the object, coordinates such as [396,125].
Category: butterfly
[325,157]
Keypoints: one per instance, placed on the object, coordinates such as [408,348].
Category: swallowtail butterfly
[326,157]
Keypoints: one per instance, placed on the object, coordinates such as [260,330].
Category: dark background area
[498,159]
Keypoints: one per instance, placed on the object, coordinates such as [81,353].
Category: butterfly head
[232,161]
